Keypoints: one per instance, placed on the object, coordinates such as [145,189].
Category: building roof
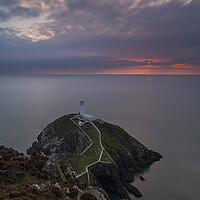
[87,116]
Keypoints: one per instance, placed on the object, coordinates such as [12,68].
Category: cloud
[25,12]
[9,3]
[140,29]
[12,9]
[3,15]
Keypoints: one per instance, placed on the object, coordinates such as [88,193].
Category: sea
[161,111]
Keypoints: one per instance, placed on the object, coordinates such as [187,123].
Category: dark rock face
[142,178]
[126,150]
[60,136]
[133,189]
[54,165]
[108,177]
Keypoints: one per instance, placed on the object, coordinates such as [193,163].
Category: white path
[99,160]
[100,136]
[100,156]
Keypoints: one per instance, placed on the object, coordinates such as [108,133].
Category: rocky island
[78,148]
[75,157]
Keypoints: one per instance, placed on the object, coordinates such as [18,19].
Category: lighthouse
[81,107]
[82,115]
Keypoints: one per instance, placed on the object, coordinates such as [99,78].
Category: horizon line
[99,74]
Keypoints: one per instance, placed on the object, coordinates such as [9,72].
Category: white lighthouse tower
[81,107]
[82,115]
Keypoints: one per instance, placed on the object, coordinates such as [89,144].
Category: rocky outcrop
[142,178]
[62,138]
[133,189]
[130,156]
[108,177]
[127,152]
[39,177]
[56,168]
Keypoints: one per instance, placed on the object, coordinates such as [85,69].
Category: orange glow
[174,69]
[122,71]
[154,68]
[40,33]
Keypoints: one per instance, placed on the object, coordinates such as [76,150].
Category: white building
[80,123]
[82,114]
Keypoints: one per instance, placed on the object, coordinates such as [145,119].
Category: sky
[99,36]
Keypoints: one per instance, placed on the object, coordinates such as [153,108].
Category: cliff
[26,178]
[99,154]
[60,136]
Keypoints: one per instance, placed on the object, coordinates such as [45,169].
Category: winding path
[103,149]
[100,156]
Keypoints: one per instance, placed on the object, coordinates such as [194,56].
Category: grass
[104,157]
[79,162]
[62,126]
[112,137]
[93,180]
[84,178]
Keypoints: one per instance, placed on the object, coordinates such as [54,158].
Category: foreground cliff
[110,165]
[25,178]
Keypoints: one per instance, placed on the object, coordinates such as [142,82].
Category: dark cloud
[4,16]
[12,8]
[87,64]
[109,28]
[9,2]
[25,12]
[195,62]
[167,30]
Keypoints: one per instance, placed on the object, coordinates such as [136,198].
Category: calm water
[163,112]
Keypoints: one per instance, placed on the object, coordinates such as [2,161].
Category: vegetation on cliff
[24,178]
[80,161]
[16,168]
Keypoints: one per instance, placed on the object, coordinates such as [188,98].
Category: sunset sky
[100,36]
